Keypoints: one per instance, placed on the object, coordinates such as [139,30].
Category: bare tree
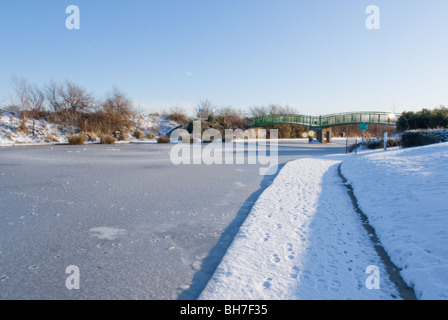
[118,103]
[259,111]
[77,98]
[55,97]
[22,91]
[276,109]
[234,118]
[176,109]
[272,110]
[117,112]
[177,114]
[36,98]
[207,109]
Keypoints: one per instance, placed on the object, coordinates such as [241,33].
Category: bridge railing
[286,118]
[327,120]
[357,117]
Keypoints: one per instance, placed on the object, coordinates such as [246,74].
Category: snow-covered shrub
[52,138]
[416,138]
[150,135]
[23,127]
[375,144]
[379,143]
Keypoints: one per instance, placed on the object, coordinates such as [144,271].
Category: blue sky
[314,55]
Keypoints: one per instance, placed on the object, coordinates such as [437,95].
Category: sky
[316,56]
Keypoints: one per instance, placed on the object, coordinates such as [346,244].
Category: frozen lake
[136,226]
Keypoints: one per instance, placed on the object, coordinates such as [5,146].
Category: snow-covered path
[302,240]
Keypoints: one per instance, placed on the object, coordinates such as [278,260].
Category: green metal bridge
[327,121]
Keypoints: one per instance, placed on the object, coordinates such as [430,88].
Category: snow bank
[157,125]
[404,194]
[41,131]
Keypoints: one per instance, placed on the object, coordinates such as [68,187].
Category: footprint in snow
[307,279]
[335,285]
[266,238]
[294,272]
[322,285]
[267,283]
[289,251]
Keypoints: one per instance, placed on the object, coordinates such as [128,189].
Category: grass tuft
[164,139]
[107,139]
[78,139]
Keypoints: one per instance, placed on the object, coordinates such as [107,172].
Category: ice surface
[137,226]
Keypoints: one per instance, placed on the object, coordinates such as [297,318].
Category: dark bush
[164,139]
[423,137]
[376,144]
[424,119]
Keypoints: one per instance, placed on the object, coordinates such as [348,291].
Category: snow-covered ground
[158,125]
[404,194]
[43,132]
[304,240]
